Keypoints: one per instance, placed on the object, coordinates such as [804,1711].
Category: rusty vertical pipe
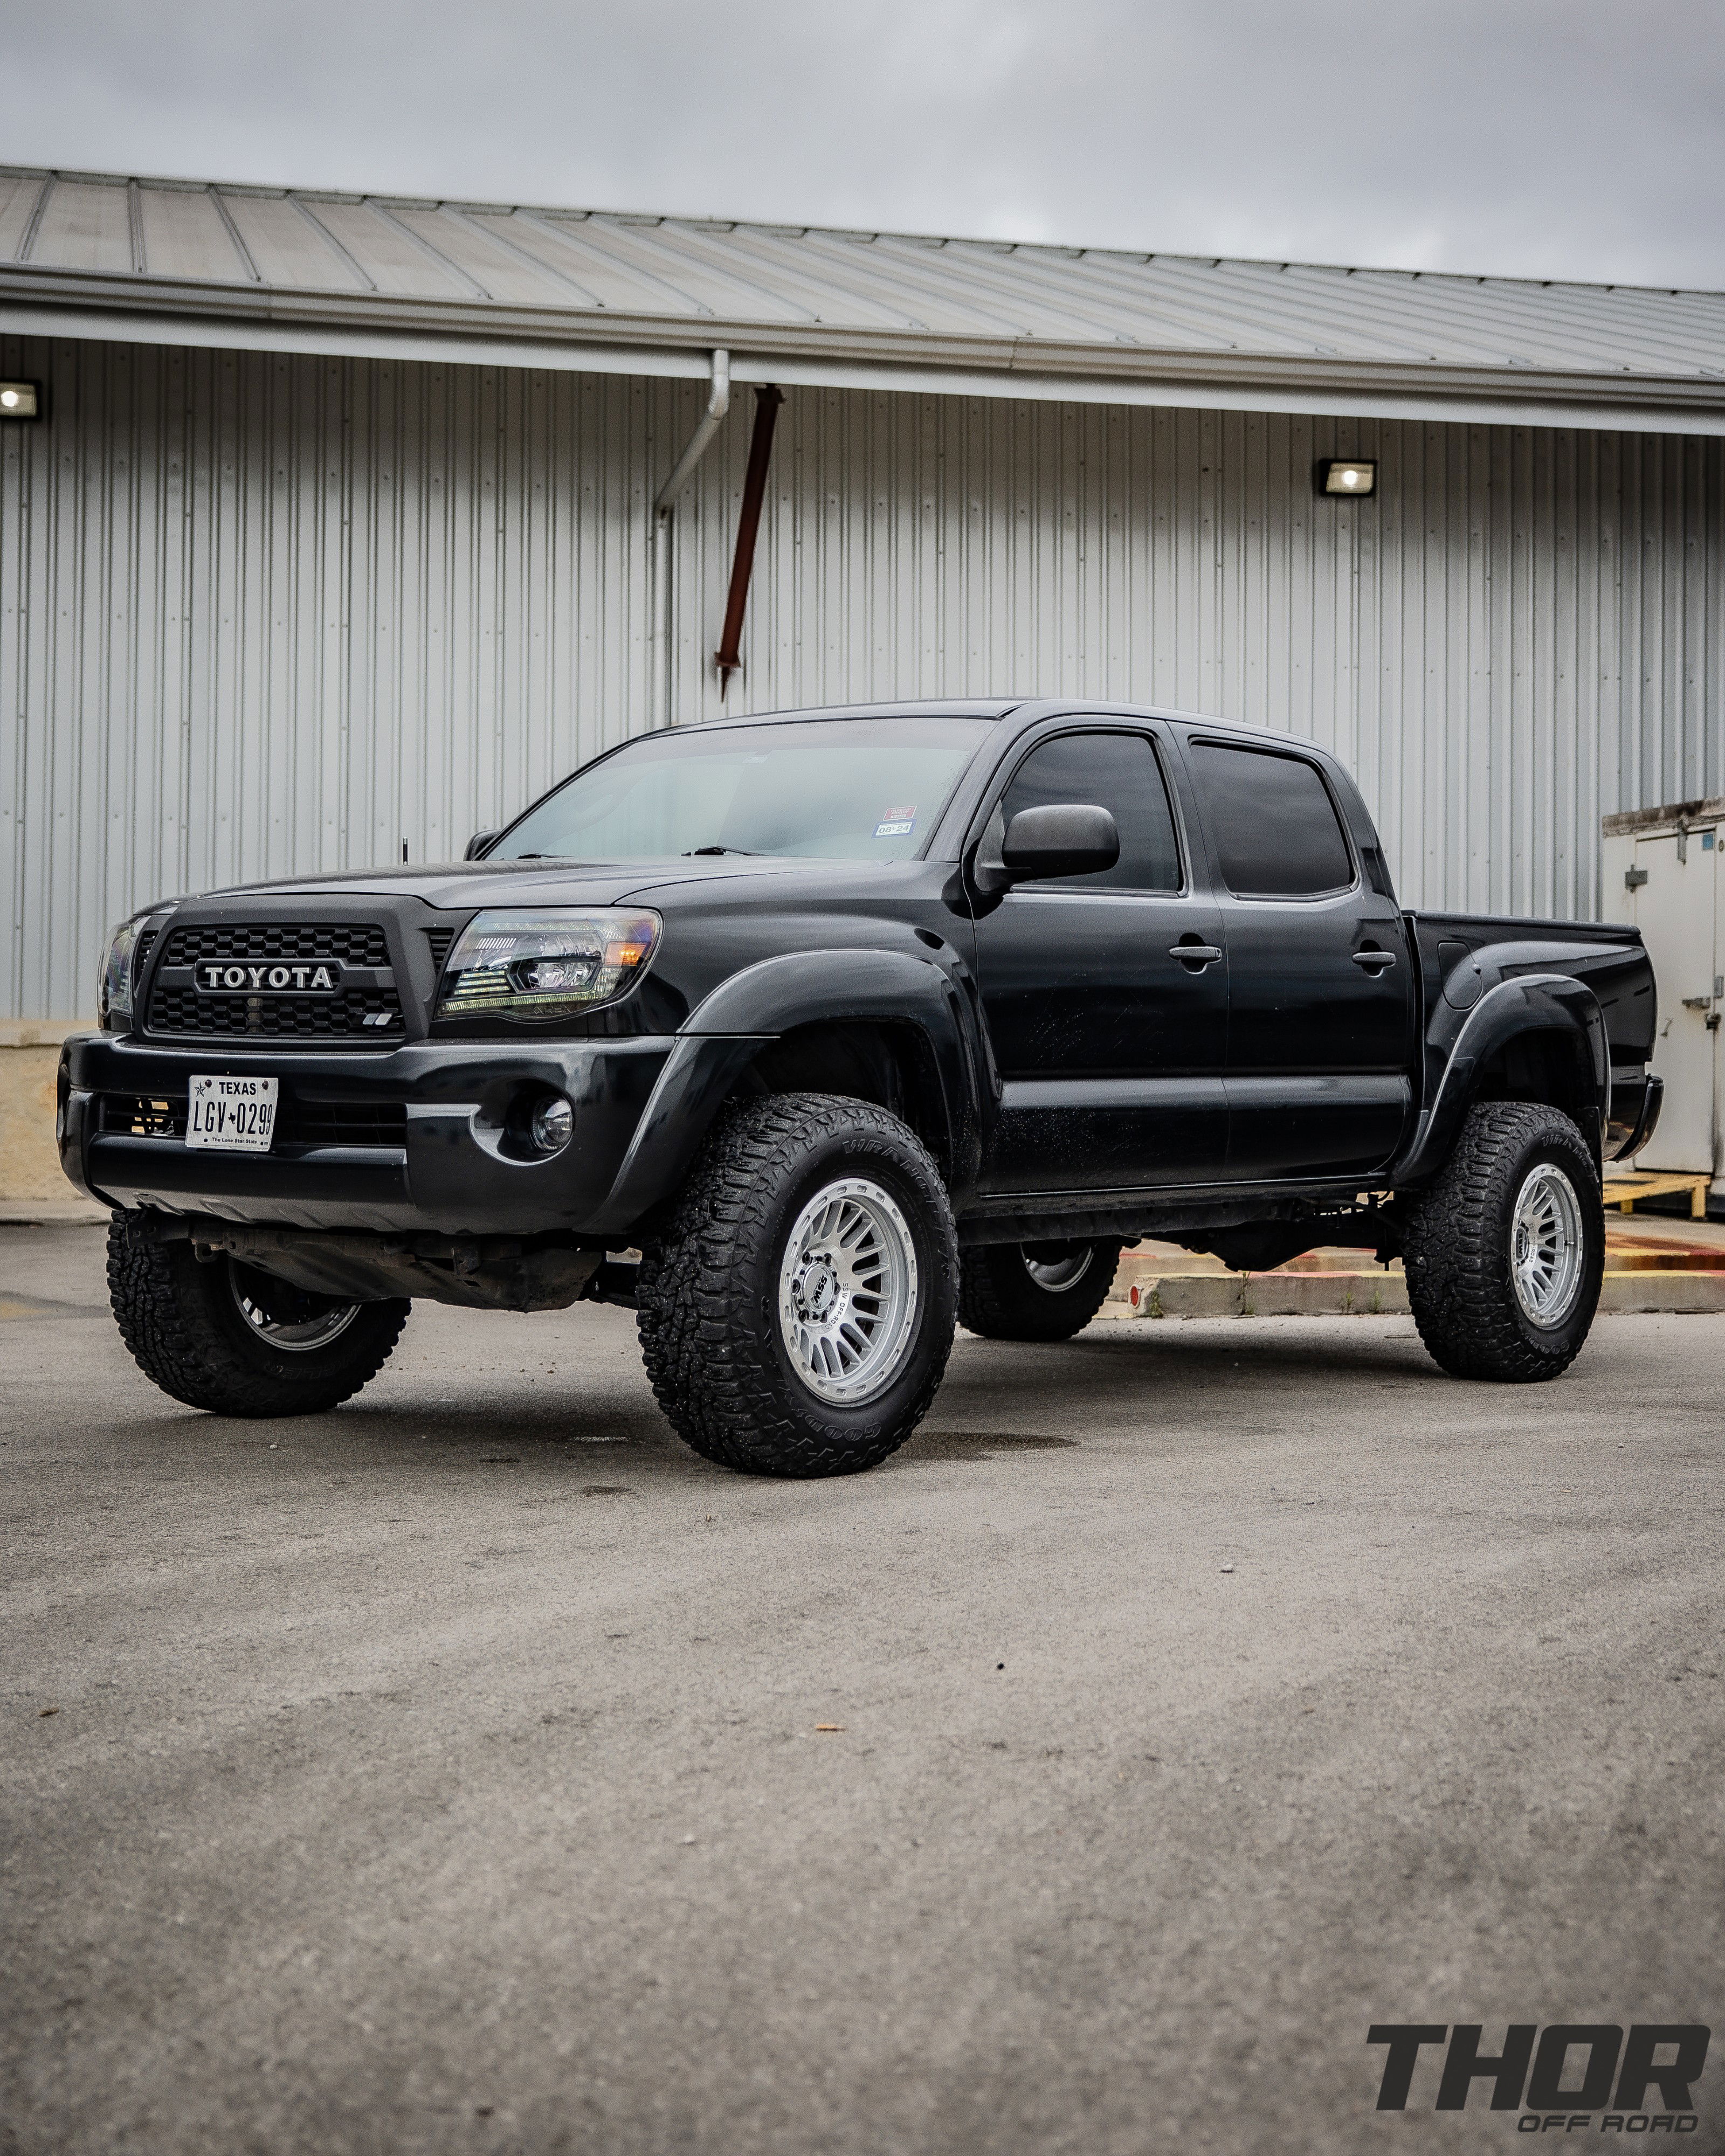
[768,397]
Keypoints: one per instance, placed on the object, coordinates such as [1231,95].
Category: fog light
[553,1125]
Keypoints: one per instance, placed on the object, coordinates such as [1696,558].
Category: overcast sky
[1553,138]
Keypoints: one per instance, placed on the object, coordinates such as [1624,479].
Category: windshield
[846,789]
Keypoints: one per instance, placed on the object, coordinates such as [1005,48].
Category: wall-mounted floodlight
[1347,475]
[20,400]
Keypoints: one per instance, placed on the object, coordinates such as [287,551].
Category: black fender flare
[755,1007]
[1533,1003]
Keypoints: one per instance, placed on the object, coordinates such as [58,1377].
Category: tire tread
[998,1301]
[709,1358]
[1459,1288]
[165,1320]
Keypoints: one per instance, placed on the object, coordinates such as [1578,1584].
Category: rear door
[1320,978]
[1109,1044]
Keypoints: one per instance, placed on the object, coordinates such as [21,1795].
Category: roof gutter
[168,311]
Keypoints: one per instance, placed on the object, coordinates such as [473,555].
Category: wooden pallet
[1623,1190]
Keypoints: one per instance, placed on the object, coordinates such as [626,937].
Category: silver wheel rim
[292,1339]
[848,1292]
[1057,1275]
[1547,1253]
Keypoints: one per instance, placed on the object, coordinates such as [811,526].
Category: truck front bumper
[452,1164]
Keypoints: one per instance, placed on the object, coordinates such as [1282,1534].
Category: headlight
[545,964]
[114,993]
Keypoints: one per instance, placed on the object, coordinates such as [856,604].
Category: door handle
[1195,954]
[1381,959]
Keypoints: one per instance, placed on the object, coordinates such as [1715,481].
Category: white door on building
[1677,911]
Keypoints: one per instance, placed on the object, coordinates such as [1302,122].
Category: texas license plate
[232,1115]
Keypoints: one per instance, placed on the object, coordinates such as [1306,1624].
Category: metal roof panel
[608,265]
[185,235]
[19,194]
[904,299]
[393,258]
[497,269]
[716,276]
[85,225]
[292,253]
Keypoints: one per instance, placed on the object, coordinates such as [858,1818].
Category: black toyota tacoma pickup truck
[853,1024]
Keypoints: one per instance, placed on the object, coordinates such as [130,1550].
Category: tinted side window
[1115,772]
[1276,831]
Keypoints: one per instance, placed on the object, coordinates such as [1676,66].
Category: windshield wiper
[689,852]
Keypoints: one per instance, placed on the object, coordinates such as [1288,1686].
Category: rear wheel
[797,1315]
[1034,1291]
[1505,1252]
[234,1340]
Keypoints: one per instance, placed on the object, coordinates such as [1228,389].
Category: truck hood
[460,884]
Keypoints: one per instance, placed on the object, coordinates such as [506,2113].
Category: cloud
[1553,138]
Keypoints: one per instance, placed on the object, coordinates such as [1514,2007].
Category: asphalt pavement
[476,1769]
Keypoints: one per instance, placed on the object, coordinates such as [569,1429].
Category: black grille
[341,1122]
[342,1015]
[347,943]
[311,1122]
[142,1115]
[140,955]
[440,939]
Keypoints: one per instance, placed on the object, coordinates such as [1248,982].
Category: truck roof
[987,707]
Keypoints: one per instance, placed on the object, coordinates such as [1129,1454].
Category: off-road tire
[186,1334]
[1459,1247]
[707,1297]
[1000,1298]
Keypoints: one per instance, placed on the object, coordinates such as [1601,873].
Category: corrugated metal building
[336,535]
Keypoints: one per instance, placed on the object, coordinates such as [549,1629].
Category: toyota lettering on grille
[299,980]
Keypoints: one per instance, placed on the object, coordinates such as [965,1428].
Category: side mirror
[1065,839]
[477,843]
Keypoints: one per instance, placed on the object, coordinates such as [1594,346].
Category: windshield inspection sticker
[897,823]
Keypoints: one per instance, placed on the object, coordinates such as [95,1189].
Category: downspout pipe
[718,403]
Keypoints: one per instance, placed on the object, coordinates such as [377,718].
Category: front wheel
[1034,1291]
[226,1337]
[797,1314]
[1505,1252]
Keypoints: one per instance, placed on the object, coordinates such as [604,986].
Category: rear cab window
[1273,822]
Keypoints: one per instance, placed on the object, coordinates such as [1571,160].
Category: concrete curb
[1261,1294]
[52,1213]
[1624,1293]
[1374,1295]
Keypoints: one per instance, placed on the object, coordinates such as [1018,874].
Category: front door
[1108,1043]
[1320,979]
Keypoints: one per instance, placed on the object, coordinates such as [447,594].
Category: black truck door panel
[1320,979]
[1110,1047]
